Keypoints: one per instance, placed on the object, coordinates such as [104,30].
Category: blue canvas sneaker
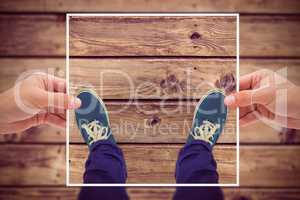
[92,118]
[209,118]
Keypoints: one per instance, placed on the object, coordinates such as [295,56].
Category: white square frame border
[237,183]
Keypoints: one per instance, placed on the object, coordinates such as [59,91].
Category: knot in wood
[195,36]
[154,121]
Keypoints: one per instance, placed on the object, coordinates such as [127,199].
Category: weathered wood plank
[37,193]
[261,166]
[32,35]
[292,67]
[261,193]
[244,6]
[39,134]
[269,163]
[71,193]
[156,122]
[11,68]
[132,126]
[32,164]
[142,120]
[270,36]
[150,78]
[165,78]
[256,35]
[158,167]
[145,70]
[248,135]
[45,35]
[159,36]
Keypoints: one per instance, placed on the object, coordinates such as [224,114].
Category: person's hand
[267,96]
[35,100]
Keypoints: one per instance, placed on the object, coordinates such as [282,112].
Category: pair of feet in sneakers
[209,118]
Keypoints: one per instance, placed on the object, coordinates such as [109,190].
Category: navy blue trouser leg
[105,164]
[196,164]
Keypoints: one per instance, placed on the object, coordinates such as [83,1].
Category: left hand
[38,99]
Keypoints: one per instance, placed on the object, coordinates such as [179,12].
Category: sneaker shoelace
[205,132]
[96,131]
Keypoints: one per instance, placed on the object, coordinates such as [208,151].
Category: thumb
[59,100]
[247,98]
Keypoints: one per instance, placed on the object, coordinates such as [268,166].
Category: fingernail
[229,100]
[75,103]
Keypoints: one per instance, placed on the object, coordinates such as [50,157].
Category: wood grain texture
[157,36]
[148,126]
[45,35]
[154,122]
[270,36]
[32,164]
[39,134]
[141,70]
[158,167]
[261,166]
[11,68]
[150,78]
[260,194]
[71,193]
[275,167]
[132,126]
[32,35]
[37,193]
[262,34]
[244,6]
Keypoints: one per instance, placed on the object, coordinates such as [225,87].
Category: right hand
[266,95]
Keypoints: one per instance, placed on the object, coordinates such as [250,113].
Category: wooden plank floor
[54,193]
[33,37]
[257,38]
[242,6]
[152,79]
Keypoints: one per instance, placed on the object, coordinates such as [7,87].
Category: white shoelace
[96,131]
[205,132]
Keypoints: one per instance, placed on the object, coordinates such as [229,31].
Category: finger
[62,115]
[261,96]
[44,118]
[59,100]
[248,119]
[265,112]
[246,81]
[55,120]
[16,127]
[281,121]
[59,85]
[245,110]
[239,99]
[57,111]
[54,83]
